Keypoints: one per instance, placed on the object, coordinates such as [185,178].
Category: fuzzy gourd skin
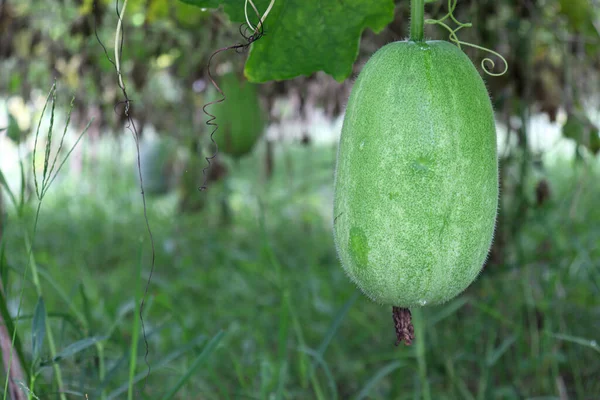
[416,185]
[240,117]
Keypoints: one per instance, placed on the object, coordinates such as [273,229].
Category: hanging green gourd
[416,184]
[240,117]
[158,162]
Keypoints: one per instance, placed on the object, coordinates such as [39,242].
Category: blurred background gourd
[240,117]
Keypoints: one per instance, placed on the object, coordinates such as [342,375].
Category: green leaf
[75,348]
[13,130]
[305,37]
[580,15]
[579,128]
[38,330]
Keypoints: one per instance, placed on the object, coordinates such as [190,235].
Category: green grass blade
[87,311]
[378,376]
[52,177]
[117,393]
[4,184]
[38,329]
[498,352]
[36,282]
[123,360]
[63,316]
[120,363]
[62,138]
[206,352]
[283,371]
[48,148]
[28,391]
[464,389]
[592,344]
[37,134]
[497,315]
[340,315]
[448,310]
[135,330]
[303,362]
[63,295]
[75,348]
[319,360]
[284,325]
[22,199]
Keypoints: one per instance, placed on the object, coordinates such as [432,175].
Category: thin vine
[118,50]
[454,38]
[261,19]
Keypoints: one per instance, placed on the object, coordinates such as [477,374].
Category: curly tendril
[454,38]
[251,34]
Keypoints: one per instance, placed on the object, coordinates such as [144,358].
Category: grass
[260,308]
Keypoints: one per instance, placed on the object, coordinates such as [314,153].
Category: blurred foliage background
[247,299]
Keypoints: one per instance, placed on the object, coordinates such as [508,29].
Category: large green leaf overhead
[302,37]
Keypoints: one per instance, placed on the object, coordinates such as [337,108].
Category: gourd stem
[405,332]
[417,20]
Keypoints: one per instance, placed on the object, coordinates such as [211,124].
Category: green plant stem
[135,332]
[49,335]
[417,20]
[101,367]
[419,325]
